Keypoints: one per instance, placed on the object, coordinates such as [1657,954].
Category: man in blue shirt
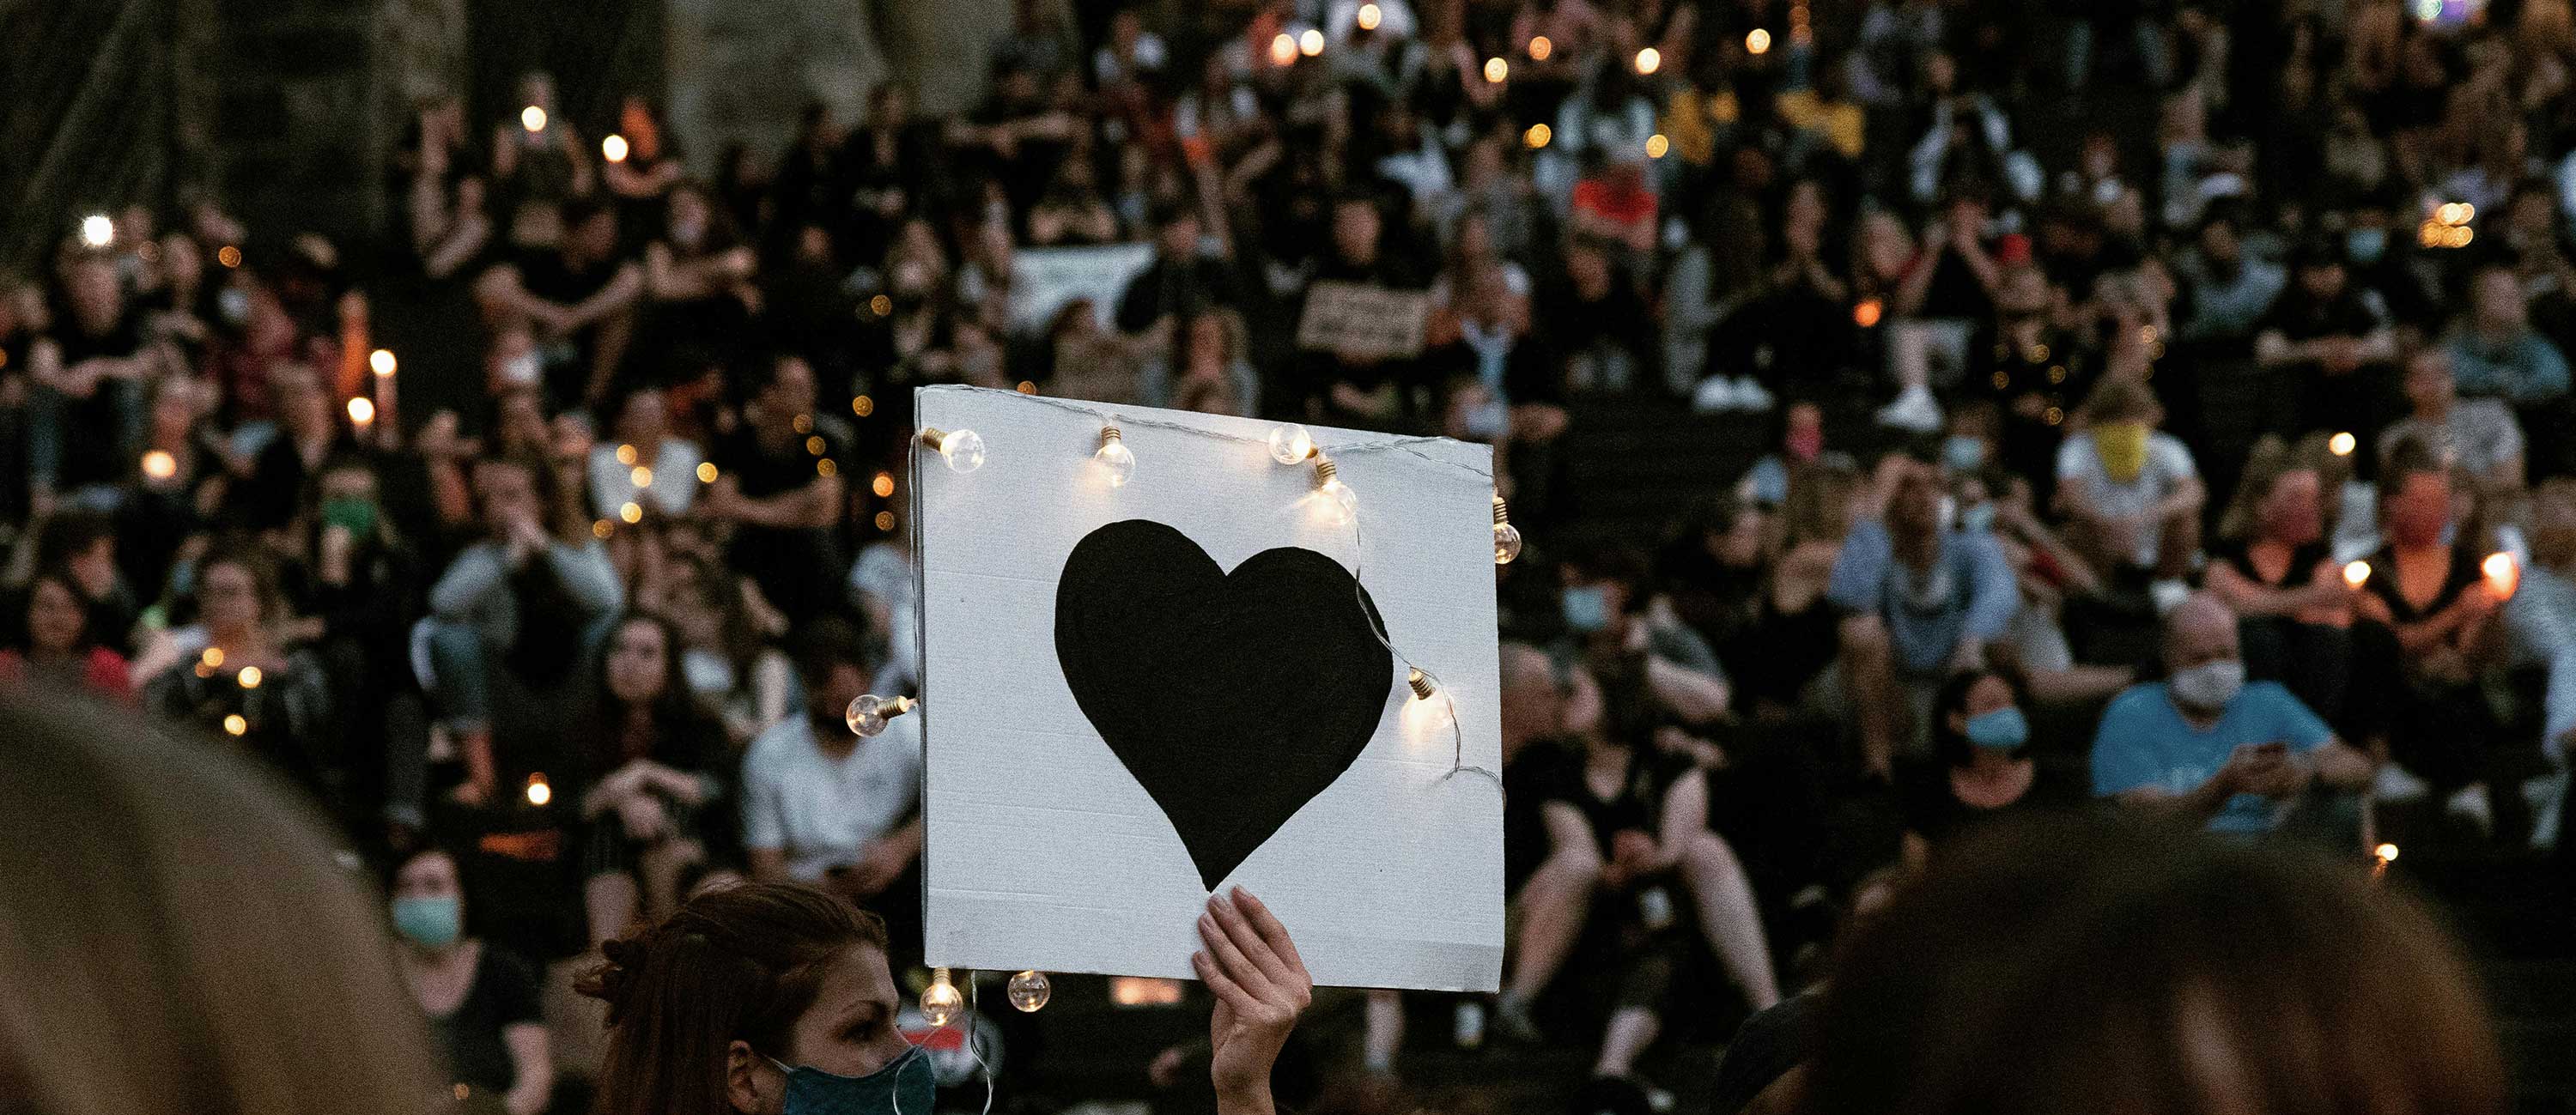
[2203,743]
[1920,603]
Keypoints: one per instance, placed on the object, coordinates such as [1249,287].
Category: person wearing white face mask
[2206,745]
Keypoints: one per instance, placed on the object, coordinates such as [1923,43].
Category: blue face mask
[906,1084]
[2365,245]
[2001,730]
[1963,453]
[1979,519]
[431,923]
[1587,609]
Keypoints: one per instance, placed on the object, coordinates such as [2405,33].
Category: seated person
[1606,604]
[1920,603]
[52,646]
[820,804]
[2480,435]
[2295,610]
[2131,490]
[1628,837]
[2207,746]
[1980,768]
[481,1000]
[2426,586]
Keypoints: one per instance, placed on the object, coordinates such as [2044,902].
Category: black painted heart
[1233,698]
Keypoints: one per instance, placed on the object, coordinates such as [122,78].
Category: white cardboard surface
[1043,851]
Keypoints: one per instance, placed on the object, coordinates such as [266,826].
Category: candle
[2502,574]
[2354,573]
[362,412]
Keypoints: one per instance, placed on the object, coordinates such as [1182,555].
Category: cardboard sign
[1134,695]
[1361,322]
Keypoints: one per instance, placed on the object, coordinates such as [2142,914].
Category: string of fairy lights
[1429,709]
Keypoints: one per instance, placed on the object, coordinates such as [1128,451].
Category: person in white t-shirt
[821,805]
[2131,489]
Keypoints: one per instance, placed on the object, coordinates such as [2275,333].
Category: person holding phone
[2207,745]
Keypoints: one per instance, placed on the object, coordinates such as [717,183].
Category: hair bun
[612,980]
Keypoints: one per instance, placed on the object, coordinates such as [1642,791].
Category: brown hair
[2073,964]
[2122,398]
[2265,465]
[177,937]
[733,964]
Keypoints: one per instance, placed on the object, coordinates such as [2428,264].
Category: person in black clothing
[778,480]
[273,496]
[2428,588]
[2337,347]
[1367,393]
[2296,616]
[86,414]
[653,764]
[1181,282]
[84,546]
[481,1000]
[2032,371]
[881,172]
[1980,769]
[577,297]
[1594,324]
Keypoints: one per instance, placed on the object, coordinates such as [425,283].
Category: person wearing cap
[2207,745]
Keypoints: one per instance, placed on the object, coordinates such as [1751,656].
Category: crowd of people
[2215,463]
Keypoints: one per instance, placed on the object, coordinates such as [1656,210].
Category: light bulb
[641,476]
[362,410]
[97,231]
[2385,853]
[626,454]
[1283,49]
[234,724]
[160,465]
[532,118]
[381,361]
[613,148]
[249,677]
[2503,575]
[1537,136]
[940,1002]
[1757,41]
[1496,70]
[962,449]
[1029,991]
[1116,457]
[1339,502]
[1427,711]
[1310,42]
[1290,443]
[539,792]
[1540,48]
[631,512]
[706,472]
[868,714]
[1657,145]
[1507,538]
[1369,16]
[1649,60]
[2341,444]
[213,658]
[2356,572]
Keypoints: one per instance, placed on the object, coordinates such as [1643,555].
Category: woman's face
[2292,514]
[2419,510]
[54,618]
[508,493]
[848,1031]
[1989,694]
[428,876]
[228,598]
[637,666]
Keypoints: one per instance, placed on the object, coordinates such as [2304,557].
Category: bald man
[2207,744]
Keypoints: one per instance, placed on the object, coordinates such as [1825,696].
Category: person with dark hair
[1981,767]
[52,644]
[580,291]
[2332,342]
[509,616]
[1919,602]
[2068,965]
[821,805]
[481,1000]
[763,999]
[82,545]
[650,770]
[238,677]
[778,480]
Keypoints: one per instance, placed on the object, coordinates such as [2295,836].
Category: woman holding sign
[775,999]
